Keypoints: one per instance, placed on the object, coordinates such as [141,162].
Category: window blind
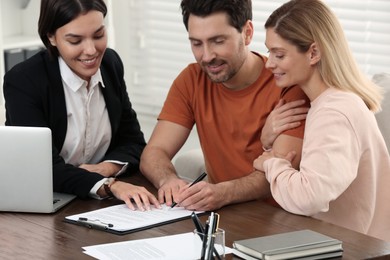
[157,48]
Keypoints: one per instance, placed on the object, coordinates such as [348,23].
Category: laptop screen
[26,169]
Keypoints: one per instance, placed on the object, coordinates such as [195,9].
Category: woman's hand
[130,193]
[285,116]
[258,163]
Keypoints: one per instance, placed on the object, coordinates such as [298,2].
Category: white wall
[123,45]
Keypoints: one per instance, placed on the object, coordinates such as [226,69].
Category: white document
[181,247]
[120,218]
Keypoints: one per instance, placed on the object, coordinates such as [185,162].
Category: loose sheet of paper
[124,219]
[182,246]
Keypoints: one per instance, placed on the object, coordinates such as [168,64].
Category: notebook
[26,179]
[291,245]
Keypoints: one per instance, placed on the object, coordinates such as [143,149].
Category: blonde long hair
[303,22]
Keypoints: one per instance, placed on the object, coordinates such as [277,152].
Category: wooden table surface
[47,236]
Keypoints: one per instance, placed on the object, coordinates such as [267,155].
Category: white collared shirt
[89,130]
[88,135]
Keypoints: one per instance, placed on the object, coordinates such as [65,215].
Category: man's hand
[201,196]
[169,190]
[207,196]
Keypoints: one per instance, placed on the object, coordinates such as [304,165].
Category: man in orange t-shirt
[228,94]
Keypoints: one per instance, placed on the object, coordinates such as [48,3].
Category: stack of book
[302,244]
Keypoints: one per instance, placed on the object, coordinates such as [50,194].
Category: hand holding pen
[201,177]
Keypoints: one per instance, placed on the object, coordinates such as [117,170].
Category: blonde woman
[345,166]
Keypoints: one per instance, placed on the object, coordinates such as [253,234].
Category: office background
[152,41]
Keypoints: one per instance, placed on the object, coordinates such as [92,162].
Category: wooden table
[47,236]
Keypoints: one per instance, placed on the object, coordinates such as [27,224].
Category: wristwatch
[107,186]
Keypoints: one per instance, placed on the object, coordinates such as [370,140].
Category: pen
[216,226]
[197,223]
[209,234]
[204,242]
[216,223]
[194,182]
[94,223]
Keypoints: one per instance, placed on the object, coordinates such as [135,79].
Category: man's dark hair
[56,13]
[239,11]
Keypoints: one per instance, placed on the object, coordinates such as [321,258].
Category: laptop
[26,179]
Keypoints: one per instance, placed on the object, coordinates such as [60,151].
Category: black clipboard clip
[94,224]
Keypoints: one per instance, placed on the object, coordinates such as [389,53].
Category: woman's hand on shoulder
[285,116]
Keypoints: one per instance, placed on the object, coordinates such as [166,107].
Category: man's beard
[221,76]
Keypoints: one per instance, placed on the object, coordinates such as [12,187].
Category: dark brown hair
[239,11]
[56,13]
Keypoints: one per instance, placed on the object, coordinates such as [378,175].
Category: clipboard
[121,220]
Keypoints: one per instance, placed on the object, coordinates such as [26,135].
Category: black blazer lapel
[113,104]
[57,106]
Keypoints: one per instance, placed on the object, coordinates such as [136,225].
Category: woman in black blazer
[40,92]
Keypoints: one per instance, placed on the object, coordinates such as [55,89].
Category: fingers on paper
[168,194]
[140,199]
[165,196]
